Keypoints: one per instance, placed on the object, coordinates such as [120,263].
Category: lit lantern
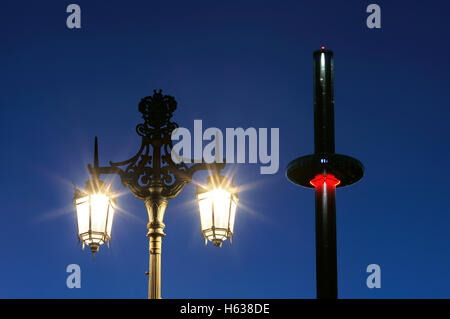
[217,203]
[95,208]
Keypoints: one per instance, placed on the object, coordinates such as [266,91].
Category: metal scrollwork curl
[153,163]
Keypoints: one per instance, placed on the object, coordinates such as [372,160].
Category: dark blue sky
[231,64]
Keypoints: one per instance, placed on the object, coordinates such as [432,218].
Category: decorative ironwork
[153,165]
[157,110]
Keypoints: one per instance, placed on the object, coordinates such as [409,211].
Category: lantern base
[217,242]
[94,249]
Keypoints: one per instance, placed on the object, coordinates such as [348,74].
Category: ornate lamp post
[324,171]
[152,176]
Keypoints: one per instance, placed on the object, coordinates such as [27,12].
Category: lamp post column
[156,207]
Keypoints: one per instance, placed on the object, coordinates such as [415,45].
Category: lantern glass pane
[221,201]
[209,234]
[233,213]
[205,208]
[221,234]
[82,206]
[99,210]
[110,218]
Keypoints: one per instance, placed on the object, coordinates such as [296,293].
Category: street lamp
[217,202]
[95,208]
[152,176]
[325,171]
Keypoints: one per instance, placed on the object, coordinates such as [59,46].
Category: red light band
[320,180]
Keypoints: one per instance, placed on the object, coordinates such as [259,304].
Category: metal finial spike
[96,152]
[82,247]
[93,255]
[206,241]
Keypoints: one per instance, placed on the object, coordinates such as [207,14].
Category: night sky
[231,64]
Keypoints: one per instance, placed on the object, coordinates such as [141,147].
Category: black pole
[325,170]
[326,254]
[323,102]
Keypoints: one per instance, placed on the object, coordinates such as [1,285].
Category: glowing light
[95,209]
[217,203]
[322,47]
[327,179]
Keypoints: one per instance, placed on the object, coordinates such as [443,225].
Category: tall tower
[325,171]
